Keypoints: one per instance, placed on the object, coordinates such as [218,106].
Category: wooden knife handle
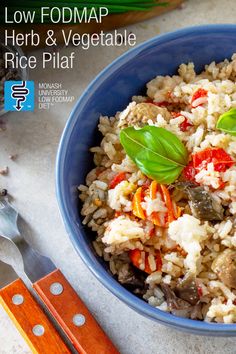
[71,313]
[30,320]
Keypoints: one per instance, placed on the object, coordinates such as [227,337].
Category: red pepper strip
[158,260]
[168,202]
[117,179]
[177,210]
[153,189]
[136,204]
[199,290]
[185,125]
[152,232]
[222,185]
[189,172]
[199,93]
[135,257]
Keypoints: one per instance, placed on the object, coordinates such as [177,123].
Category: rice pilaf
[172,244]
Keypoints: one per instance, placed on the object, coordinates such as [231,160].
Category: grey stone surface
[34,137]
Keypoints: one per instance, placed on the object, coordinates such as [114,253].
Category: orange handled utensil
[27,315]
[55,291]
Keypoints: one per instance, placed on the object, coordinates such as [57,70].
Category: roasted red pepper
[198,94]
[136,204]
[189,172]
[218,156]
[135,257]
[117,179]
[200,292]
[185,125]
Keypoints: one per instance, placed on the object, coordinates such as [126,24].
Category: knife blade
[55,291]
[27,315]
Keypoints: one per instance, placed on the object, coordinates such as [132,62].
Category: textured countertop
[34,137]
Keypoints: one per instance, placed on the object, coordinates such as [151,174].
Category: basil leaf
[158,153]
[227,122]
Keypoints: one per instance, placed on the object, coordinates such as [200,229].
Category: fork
[55,291]
[27,315]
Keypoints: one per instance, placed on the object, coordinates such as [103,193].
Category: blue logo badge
[19,96]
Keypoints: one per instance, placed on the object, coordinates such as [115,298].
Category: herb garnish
[227,122]
[158,153]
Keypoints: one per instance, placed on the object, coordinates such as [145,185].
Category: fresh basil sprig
[227,122]
[158,153]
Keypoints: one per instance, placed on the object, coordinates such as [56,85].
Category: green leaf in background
[158,153]
[227,122]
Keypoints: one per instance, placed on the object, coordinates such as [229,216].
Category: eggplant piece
[196,313]
[131,278]
[202,205]
[225,267]
[187,289]
[176,305]
[180,307]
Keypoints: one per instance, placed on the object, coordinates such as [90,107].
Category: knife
[55,291]
[27,315]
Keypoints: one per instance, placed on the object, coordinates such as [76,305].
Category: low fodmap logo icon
[19,96]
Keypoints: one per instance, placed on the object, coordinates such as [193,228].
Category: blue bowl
[110,92]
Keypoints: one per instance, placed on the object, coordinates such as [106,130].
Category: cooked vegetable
[158,153]
[176,305]
[168,202]
[225,267]
[136,204]
[145,111]
[158,218]
[218,156]
[185,125]
[117,179]
[199,97]
[187,289]
[189,172]
[227,122]
[196,312]
[129,275]
[181,307]
[136,259]
[202,205]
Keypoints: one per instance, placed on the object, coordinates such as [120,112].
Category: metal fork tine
[9,230]
[4,203]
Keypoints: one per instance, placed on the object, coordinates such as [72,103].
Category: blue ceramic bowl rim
[83,250]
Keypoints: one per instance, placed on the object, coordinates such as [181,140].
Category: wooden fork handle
[30,320]
[73,316]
